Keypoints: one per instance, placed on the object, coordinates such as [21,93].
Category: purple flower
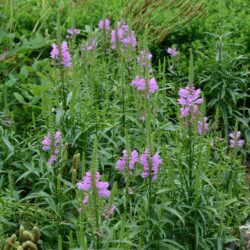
[144,162]
[86,185]
[66,59]
[52,159]
[127,160]
[155,161]
[152,85]
[189,100]
[203,126]
[103,189]
[172,52]
[149,85]
[72,32]
[89,45]
[133,159]
[47,145]
[109,211]
[144,60]
[123,35]
[121,163]
[54,54]
[235,141]
[104,24]
[139,83]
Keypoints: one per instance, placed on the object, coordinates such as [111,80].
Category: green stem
[149,146]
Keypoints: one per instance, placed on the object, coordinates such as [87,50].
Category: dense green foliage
[201,196]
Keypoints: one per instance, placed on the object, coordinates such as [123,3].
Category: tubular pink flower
[139,83]
[47,145]
[152,85]
[203,126]
[121,163]
[235,141]
[144,60]
[144,162]
[127,160]
[104,24]
[86,185]
[54,54]
[133,159]
[142,84]
[123,35]
[172,52]
[66,59]
[73,31]
[189,100]
[155,161]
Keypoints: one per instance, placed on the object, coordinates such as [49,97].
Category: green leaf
[8,144]
[19,98]
[230,238]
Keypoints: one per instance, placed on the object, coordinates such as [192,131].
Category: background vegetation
[201,197]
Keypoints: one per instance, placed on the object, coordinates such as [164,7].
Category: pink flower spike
[152,85]
[203,126]
[86,185]
[144,162]
[133,159]
[235,141]
[73,31]
[156,161]
[104,24]
[172,52]
[66,59]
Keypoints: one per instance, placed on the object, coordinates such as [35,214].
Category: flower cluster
[190,100]
[172,52]
[55,54]
[127,160]
[144,60]
[150,86]
[123,35]
[48,144]
[86,185]
[154,160]
[104,24]
[235,141]
[72,32]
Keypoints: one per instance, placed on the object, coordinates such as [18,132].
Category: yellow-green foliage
[160,18]
[29,240]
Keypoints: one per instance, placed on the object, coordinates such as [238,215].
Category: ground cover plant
[108,142]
